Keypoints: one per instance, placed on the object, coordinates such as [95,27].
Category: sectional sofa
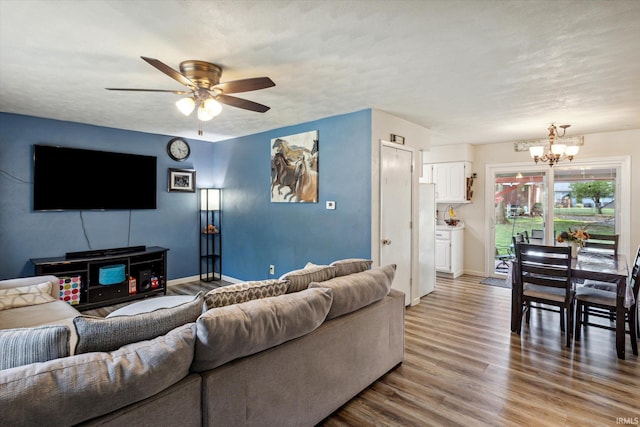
[277,352]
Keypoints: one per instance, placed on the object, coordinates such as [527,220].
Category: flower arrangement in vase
[575,239]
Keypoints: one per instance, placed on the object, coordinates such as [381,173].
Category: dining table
[594,265]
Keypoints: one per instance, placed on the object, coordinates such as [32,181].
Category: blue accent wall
[25,234]
[255,231]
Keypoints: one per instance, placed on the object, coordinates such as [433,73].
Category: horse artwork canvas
[294,168]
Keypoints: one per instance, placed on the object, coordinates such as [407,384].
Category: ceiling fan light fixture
[186,105]
[203,82]
[208,109]
[213,106]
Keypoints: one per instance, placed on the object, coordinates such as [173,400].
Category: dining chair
[503,259]
[520,237]
[536,237]
[545,277]
[607,300]
[606,243]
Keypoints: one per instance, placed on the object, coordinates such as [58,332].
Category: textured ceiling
[471,71]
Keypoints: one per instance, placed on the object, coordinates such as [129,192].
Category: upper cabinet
[451,180]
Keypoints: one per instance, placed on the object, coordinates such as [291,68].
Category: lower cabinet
[449,250]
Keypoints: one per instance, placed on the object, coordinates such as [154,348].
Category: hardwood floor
[464,367]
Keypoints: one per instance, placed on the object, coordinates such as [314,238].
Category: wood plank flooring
[463,367]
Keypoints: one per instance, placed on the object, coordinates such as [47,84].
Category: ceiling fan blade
[245,85]
[174,74]
[242,103]
[177,92]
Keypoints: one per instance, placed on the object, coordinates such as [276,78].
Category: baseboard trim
[475,273]
[182,280]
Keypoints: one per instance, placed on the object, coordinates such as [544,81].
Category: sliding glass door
[544,201]
[585,197]
[520,206]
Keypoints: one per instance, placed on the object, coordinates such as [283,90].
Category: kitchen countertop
[449,227]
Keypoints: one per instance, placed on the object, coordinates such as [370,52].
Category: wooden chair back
[521,237]
[603,241]
[537,237]
[545,266]
[634,280]
[544,273]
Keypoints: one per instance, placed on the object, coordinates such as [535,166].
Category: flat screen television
[77,179]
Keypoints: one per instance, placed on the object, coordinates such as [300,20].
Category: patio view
[582,199]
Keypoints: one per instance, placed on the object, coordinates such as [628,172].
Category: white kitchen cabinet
[450,179]
[449,250]
[443,254]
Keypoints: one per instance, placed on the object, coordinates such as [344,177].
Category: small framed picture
[182,180]
[397,139]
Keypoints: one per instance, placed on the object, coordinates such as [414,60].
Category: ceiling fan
[205,90]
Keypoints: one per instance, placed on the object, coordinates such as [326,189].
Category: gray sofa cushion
[29,345]
[300,279]
[351,266]
[234,331]
[100,334]
[245,291]
[73,389]
[358,290]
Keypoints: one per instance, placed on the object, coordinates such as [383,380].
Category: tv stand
[105,252]
[145,272]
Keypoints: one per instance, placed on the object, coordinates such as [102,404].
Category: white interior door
[395,215]
[427,239]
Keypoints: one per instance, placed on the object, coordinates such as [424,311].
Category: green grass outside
[606,212]
[594,223]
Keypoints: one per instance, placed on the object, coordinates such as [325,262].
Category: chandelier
[554,152]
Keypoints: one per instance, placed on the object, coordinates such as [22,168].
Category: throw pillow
[25,295]
[351,265]
[358,290]
[234,331]
[68,391]
[101,334]
[148,305]
[300,279]
[30,345]
[243,292]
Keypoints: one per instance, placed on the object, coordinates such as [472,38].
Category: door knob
[386,241]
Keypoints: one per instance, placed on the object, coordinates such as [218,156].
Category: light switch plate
[331,204]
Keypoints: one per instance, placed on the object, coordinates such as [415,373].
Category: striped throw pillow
[299,279]
[24,346]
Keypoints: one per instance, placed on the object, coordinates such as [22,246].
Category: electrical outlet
[272,269]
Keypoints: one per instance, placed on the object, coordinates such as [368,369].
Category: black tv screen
[76,179]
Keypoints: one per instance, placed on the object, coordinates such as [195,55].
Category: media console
[110,276]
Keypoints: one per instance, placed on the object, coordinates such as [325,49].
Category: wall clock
[178,149]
